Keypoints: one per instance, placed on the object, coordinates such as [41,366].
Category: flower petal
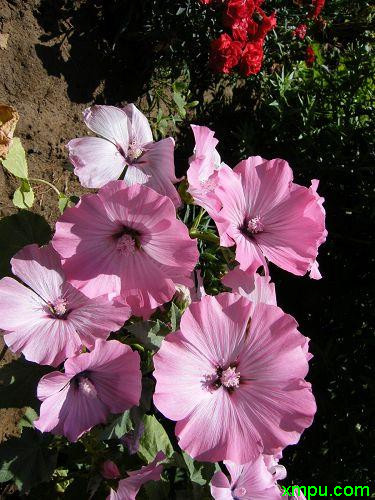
[109,122]
[96,161]
[140,130]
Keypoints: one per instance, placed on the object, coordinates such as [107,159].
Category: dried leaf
[4,40]
[8,121]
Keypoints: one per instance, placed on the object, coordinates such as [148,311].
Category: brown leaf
[4,40]
[8,121]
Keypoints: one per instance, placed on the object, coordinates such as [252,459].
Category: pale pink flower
[252,481]
[48,320]
[233,379]
[109,470]
[129,487]
[95,384]
[314,270]
[203,167]
[256,288]
[126,241]
[266,215]
[126,141]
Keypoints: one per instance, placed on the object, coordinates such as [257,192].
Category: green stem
[47,183]
[204,236]
[197,220]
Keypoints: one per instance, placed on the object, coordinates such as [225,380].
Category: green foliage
[15,161]
[149,333]
[118,428]
[27,460]
[154,439]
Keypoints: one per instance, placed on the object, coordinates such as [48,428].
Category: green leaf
[175,317]
[180,102]
[27,459]
[19,230]
[199,472]
[154,439]
[116,429]
[18,382]
[28,419]
[63,202]
[15,161]
[149,333]
[24,196]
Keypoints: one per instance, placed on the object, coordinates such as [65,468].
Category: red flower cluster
[249,26]
[300,31]
[318,7]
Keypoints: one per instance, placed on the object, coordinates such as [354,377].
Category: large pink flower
[49,320]
[95,384]
[129,487]
[233,379]
[126,141]
[314,270]
[254,287]
[252,481]
[126,241]
[267,215]
[203,165]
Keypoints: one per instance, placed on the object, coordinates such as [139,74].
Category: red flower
[237,11]
[318,7]
[310,56]
[267,24]
[252,57]
[225,53]
[300,31]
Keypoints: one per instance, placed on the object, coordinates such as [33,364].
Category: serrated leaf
[19,230]
[149,333]
[23,197]
[116,429]
[175,317]
[15,161]
[153,440]
[28,458]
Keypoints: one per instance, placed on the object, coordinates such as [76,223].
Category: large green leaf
[120,426]
[199,472]
[149,333]
[154,439]
[24,195]
[19,230]
[15,161]
[18,382]
[27,459]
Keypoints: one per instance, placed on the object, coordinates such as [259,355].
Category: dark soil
[49,117]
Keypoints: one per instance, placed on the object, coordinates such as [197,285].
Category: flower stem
[197,220]
[47,183]
[204,236]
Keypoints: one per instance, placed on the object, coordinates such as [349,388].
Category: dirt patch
[48,119]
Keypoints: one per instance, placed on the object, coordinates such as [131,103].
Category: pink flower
[95,384]
[48,320]
[267,215]
[126,241]
[126,141]
[129,487]
[110,470]
[254,287]
[300,31]
[250,481]
[203,167]
[314,270]
[233,379]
